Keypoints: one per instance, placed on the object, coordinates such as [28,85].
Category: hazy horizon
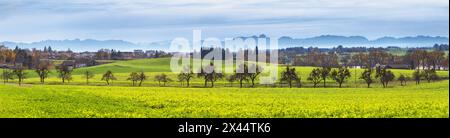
[85,39]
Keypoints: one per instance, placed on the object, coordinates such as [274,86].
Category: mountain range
[353,41]
[284,42]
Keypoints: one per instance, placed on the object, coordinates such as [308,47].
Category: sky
[143,21]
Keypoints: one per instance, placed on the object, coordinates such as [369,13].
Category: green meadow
[153,67]
[96,100]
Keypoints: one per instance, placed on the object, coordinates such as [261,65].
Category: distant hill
[75,45]
[284,42]
[352,41]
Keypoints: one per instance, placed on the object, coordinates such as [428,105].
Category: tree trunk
[187,81]
[253,82]
[290,84]
[240,81]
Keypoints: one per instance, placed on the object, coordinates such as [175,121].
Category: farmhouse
[398,66]
[69,63]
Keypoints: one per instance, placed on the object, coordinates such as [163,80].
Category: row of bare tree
[244,74]
[414,59]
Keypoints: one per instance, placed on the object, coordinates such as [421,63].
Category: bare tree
[241,74]
[141,77]
[209,73]
[444,63]
[419,56]
[430,75]
[186,75]
[42,69]
[367,76]
[384,75]
[20,73]
[314,76]
[181,78]
[324,74]
[7,75]
[253,72]
[402,78]
[417,76]
[434,59]
[88,75]
[133,77]
[378,56]
[108,76]
[162,78]
[231,78]
[64,72]
[360,59]
[340,75]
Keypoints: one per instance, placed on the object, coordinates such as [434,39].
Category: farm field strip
[153,67]
[415,101]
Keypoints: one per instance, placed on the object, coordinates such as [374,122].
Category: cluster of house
[29,57]
[125,55]
[83,59]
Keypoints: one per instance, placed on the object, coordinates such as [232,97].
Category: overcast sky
[148,20]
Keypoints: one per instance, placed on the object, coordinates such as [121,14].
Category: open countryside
[170,98]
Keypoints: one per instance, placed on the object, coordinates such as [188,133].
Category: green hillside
[146,65]
[76,99]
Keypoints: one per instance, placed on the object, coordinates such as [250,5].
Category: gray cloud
[142,20]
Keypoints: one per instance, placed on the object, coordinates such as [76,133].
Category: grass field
[75,99]
[153,67]
[99,101]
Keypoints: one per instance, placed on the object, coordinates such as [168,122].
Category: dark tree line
[329,67]
[413,59]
